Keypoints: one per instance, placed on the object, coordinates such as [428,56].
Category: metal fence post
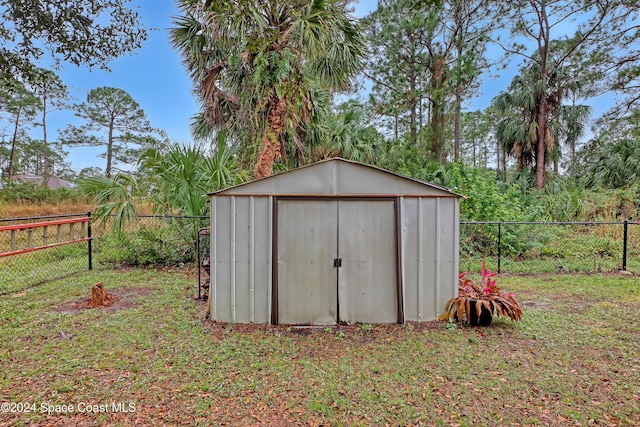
[89,241]
[499,244]
[198,258]
[625,242]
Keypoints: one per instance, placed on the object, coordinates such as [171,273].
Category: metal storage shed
[333,242]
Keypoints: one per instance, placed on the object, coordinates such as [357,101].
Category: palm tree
[182,175]
[177,180]
[186,173]
[256,65]
[114,198]
[348,133]
[612,158]
[615,165]
[518,129]
[573,121]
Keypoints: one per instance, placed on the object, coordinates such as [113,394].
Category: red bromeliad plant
[477,303]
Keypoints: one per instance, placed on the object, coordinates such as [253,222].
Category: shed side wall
[241,270]
[430,255]
[409,257]
[220,260]
[448,229]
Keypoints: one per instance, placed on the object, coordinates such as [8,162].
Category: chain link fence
[31,255]
[150,240]
[38,249]
[550,247]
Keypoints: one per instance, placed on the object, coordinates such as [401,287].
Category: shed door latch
[337,262]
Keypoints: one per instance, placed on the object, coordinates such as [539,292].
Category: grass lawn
[574,360]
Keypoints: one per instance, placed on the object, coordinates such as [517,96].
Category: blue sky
[152,75]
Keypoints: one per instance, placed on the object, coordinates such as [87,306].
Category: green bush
[582,246]
[150,245]
[562,200]
[484,199]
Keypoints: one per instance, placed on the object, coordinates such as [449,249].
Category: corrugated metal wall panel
[242,258]
[240,250]
[430,259]
[449,251]
[212,283]
[356,179]
[262,259]
[367,280]
[307,246]
[337,177]
[317,180]
[410,239]
[456,247]
[431,267]
[221,259]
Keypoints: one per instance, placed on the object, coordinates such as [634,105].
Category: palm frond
[245,57]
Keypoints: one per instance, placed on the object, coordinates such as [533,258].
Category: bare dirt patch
[362,333]
[121,298]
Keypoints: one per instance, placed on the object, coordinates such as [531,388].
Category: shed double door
[336,262]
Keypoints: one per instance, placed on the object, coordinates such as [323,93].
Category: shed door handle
[337,262]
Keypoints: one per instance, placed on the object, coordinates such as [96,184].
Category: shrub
[474,299]
[150,245]
[32,193]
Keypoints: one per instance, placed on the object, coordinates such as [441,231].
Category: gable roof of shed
[336,177]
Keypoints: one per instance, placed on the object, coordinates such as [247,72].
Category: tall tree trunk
[271,137]
[473,153]
[572,170]
[437,83]
[501,158]
[541,149]
[413,134]
[437,139]
[14,140]
[456,125]
[45,181]
[396,127]
[498,157]
[109,150]
[459,22]
[421,134]
[543,46]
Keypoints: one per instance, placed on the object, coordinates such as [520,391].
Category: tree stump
[99,296]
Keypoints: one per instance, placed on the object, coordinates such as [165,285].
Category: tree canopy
[262,66]
[80,32]
[114,120]
[291,82]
